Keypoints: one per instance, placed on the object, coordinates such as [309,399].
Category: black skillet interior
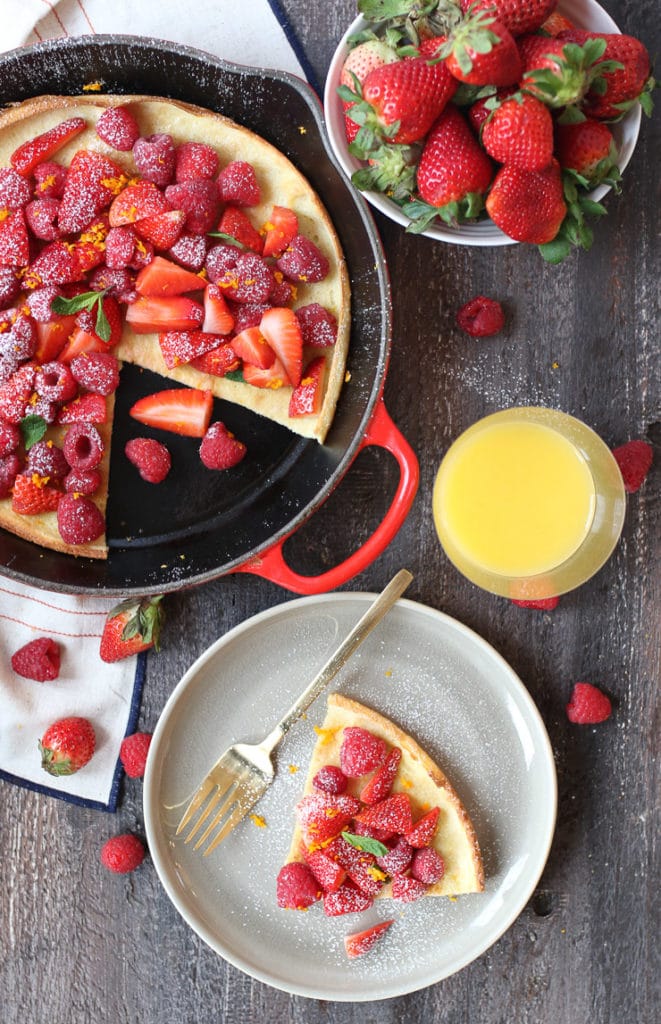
[198,524]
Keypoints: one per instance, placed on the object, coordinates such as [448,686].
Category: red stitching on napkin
[47,604]
[59,632]
[56,16]
[85,15]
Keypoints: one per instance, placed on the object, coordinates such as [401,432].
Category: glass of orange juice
[528,503]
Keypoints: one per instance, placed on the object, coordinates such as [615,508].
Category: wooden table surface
[79,944]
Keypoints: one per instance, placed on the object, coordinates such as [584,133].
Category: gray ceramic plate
[434,677]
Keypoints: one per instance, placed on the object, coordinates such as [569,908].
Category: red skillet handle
[382,432]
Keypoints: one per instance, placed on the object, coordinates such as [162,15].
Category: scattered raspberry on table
[133,753]
[123,853]
[588,705]
[39,660]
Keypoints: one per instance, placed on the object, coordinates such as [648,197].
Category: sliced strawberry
[280,229]
[184,411]
[325,869]
[251,346]
[218,318]
[391,815]
[32,495]
[92,183]
[84,409]
[176,313]
[163,278]
[89,249]
[52,336]
[237,224]
[361,942]
[163,229]
[79,342]
[219,361]
[84,337]
[55,264]
[322,816]
[379,785]
[306,398]
[360,866]
[423,831]
[274,377]
[283,333]
[180,347]
[137,202]
[30,153]
[407,889]
[14,240]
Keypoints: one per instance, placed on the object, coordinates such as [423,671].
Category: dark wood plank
[79,944]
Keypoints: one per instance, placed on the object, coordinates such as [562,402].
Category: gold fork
[244,772]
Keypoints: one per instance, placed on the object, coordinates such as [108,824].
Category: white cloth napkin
[107,694]
[250,32]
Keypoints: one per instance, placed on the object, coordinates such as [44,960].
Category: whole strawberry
[132,626]
[482,51]
[588,148]
[519,132]
[67,745]
[400,102]
[360,61]
[454,172]
[528,206]
[518,16]
[561,72]
[618,90]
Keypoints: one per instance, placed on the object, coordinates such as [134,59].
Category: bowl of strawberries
[488,122]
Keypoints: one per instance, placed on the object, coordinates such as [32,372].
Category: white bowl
[586,14]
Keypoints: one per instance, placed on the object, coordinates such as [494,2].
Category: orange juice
[515,498]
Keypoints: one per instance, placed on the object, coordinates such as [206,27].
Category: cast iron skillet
[199,525]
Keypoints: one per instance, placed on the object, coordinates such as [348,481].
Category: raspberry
[250,280]
[330,779]
[50,179]
[14,189]
[237,184]
[41,216]
[219,260]
[151,458]
[79,520]
[18,334]
[115,281]
[546,604]
[120,247]
[427,866]
[15,393]
[79,482]
[133,753]
[318,325]
[195,160]
[481,317]
[118,128]
[322,816]
[398,858]
[635,460]
[48,461]
[283,292]
[55,382]
[247,314]
[302,261]
[43,407]
[220,449]
[190,251]
[10,467]
[39,659]
[10,285]
[10,438]
[296,887]
[83,446]
[122,854]
[588,705]
[40,303]
[98,372]
[361,751]
[155,158]
[199,201]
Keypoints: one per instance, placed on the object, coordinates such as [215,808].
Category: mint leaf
[33,429]
[229,239]
[235,375]
[366,844]
[102,326]
[86,300]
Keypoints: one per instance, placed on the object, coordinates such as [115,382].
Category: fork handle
[360,631]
